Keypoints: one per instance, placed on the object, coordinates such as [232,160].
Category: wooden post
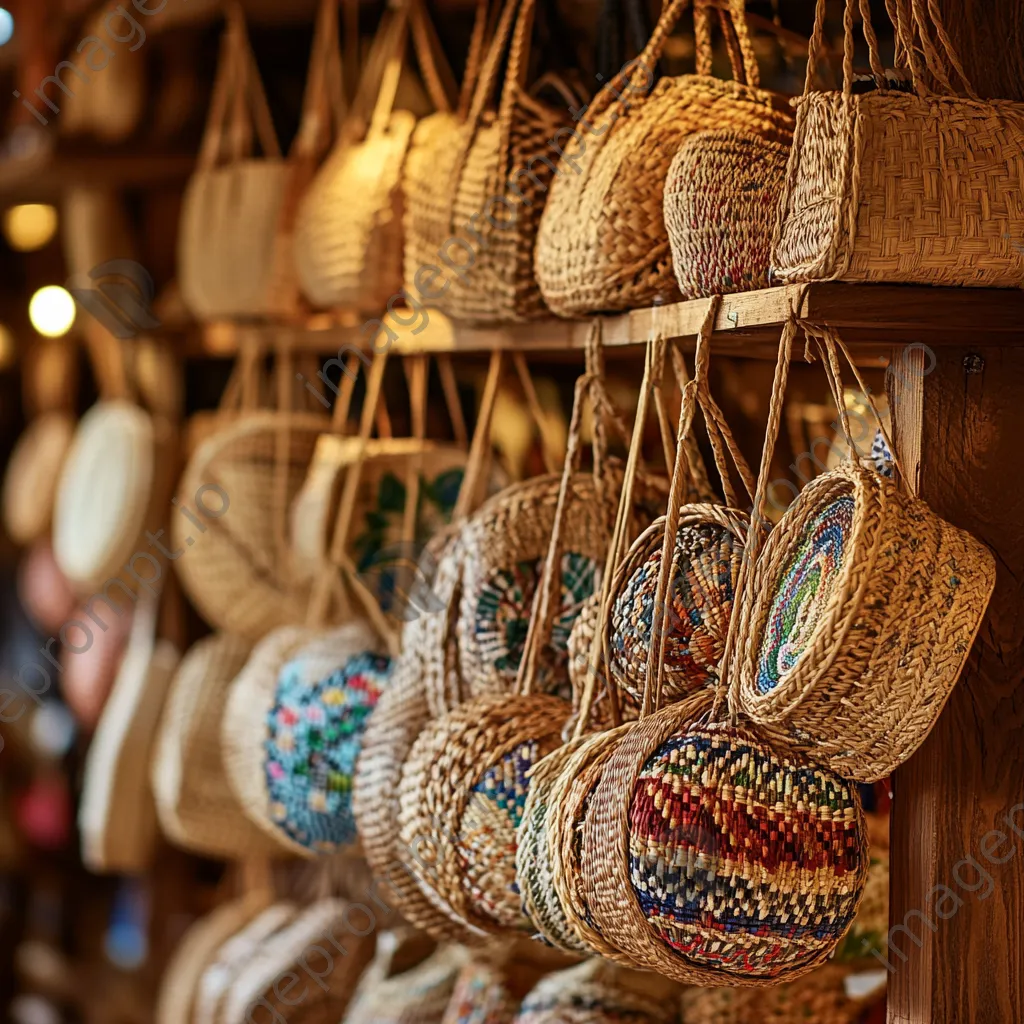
[957,953]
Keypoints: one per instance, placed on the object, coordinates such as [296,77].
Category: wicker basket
[348,247]
[721,203]
[195,805]
[462,793]
[602,243]
[228,258]
[865,608]
[885,185]
[597,992]
[498,186]
[417,995]
[292,728]
[33,470]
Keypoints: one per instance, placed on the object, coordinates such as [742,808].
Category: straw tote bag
[603,244]
[863,610]
[228,263]
[349,230]
[668,878]
[922,187]
[500,181]
[195,805]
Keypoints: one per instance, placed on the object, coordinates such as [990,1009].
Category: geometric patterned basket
[743,862]
[864,606]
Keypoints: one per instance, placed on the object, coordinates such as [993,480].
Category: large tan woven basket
[228,260]
[602,243]
[925,187]
[195,805]
[721,203]
[348,246]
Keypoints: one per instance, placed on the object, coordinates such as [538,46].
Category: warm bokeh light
[8,350]
[30,226]
[52,311]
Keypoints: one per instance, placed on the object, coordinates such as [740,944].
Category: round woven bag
[721,202]
[238,486]
[462,794]
[705,568]
[104,492]
[865,605]
[293,727]
[597,992]
[43,589]
[33,470]
[195,805]
[715,857]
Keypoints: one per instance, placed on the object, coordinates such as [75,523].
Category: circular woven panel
[33,470]
[744,862]
[707,559]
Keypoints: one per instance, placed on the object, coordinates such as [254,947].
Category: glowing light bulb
[52,311]
[29,226]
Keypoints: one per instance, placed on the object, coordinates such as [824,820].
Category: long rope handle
[323,102]
[736,29]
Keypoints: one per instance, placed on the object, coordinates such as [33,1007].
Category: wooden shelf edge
[872,317]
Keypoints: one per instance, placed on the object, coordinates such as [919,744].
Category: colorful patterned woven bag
[864,606]
[721,202]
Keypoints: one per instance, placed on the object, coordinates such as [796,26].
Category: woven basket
[304,940]
[418,995]
[292,729]
[923,187]
[175,1001]
[498,186]
[43,590]
[33,470]
[348,247]
[721,203]
[240,578]
[865,608]
[195,805]
[232,956]
[705,905]
[602,243]
[228,260]
[597,992]
[462,793]
[104,492]
[705,569]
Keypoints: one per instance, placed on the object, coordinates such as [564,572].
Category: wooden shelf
[872,319]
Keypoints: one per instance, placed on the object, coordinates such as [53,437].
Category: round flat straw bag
[30,482]
[721,202]
[293,728]
[716,857]
[195,806]
[462,795]
[235,494]
[705,569]
[865,606]
[104,492]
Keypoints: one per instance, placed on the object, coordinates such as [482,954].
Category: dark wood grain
[969,773]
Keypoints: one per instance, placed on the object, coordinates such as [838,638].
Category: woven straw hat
[863,607]
[104,492]
[32,474]
[195,804]
[292,728]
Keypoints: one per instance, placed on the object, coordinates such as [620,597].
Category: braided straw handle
[733,16]
[323,103]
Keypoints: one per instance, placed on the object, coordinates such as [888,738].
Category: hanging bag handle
[733,17]
[324,108]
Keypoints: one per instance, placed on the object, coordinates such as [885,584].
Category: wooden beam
[958,813]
